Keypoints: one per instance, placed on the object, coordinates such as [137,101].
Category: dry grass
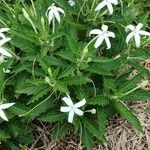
[120,135]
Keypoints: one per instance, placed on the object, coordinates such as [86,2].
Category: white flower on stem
[102,35]
[71,3]
[72,108]
[107,3]
[3,51]
[2,107]
[136,32]
[53,12]
[2,35]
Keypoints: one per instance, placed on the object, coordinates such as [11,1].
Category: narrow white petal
[50,16]
[144,33]
[100,6]
[111,34]
[3,116]
[129,37]
[131,27]
[79,112]
[139,26]
[81,103]
[104,27]
[108,42]
[4,29]
[71,116]
[110,8]
[5,106]
[56,14]
[68,100]
[115,2]
[60,10]
[4,52]
[98,41]
[5,40]
[137,40]
[2,35]
[95,31]
[65,109]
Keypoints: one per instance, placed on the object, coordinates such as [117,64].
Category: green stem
[53,31]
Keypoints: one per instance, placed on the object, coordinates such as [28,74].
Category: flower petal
[95,31]
[108,42]
[100,6]
[104,27]
[3,41]
[60,10]
[111,34]
[3,116]
[129,37]
[137,40]
[68,100]
[65,109]
[81,103]
[110,8]
[131,27]
[139,26]
[5,106]
[56,14]
[2,35]
[4,29]
[50,16]
[98,41]
[71,116]
[144,33]
[79,112]
[4,52]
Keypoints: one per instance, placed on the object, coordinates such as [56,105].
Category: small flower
[53,12]
[71,3]
[107,3]
[102,35]
[2,35]
[4,106]
[72,108]
[136,32]
[3,51]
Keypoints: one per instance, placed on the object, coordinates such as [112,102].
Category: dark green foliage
[42,73]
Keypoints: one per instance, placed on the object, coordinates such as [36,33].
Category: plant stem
[53,31]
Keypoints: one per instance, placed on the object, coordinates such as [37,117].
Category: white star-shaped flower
[136,32]
[72,108]
[102,35]
[2,107]
[3,51]
[53,12]
[2,35]
[107,3]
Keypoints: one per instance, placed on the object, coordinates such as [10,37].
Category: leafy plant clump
[73,64]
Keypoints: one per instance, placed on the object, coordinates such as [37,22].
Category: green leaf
[98,100]
[128,114]
[52,117]
[102,122]
[75,80]
[139,95]
[3,136]
[96,68]
[43,90]
[87,139]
